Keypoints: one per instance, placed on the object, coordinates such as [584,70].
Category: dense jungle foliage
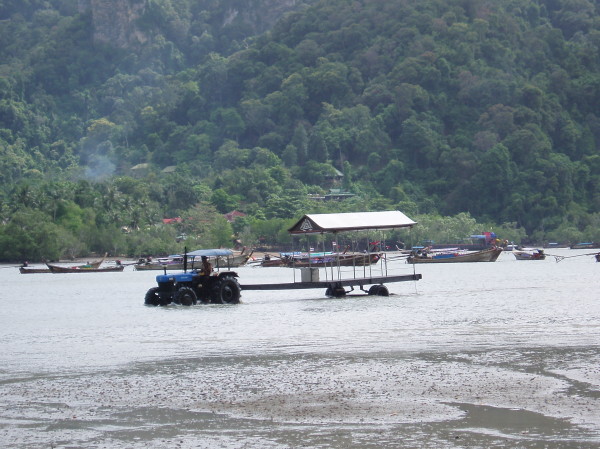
[467,115]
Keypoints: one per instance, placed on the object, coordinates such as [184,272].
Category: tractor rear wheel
[227,291]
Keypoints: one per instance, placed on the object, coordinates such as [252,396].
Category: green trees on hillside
[444,107]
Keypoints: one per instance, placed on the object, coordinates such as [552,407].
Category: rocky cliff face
[260,15]
[114,20]
[83,5]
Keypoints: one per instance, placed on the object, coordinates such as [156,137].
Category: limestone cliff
[259,15]
[114,21]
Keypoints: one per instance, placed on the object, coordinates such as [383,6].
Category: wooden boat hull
[524,255]
[26,270]
[237,260]
[587,245]
[157,266]
[488,255]
[343,260]
[59,269]
[96,263]
[222,263]
[274,262]
[29,270]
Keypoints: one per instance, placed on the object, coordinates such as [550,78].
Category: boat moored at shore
[585,245]
[487,255]
[536,254]
[34,270]
[85,269]
[26,269]
[222,258]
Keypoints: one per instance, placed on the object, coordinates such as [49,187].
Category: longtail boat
[84,269]
[537,254]
[227,258]
[334,259]
[34,270]
[487,255]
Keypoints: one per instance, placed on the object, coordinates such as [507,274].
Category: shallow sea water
[502,354]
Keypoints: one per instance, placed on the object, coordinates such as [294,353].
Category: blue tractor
[190,287]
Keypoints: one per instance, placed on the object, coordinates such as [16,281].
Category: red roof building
[231,216]
[172,220]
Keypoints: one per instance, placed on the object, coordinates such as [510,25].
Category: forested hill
[430,106]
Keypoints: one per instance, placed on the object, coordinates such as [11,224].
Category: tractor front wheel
[185,296]
[152,298]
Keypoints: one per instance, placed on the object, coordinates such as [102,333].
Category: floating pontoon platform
[335,287]
[345,222]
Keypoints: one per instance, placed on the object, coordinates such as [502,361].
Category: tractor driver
[207,268]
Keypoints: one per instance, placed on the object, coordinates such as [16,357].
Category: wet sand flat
[479,399]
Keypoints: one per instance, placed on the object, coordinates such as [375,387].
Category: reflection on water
[462,356]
